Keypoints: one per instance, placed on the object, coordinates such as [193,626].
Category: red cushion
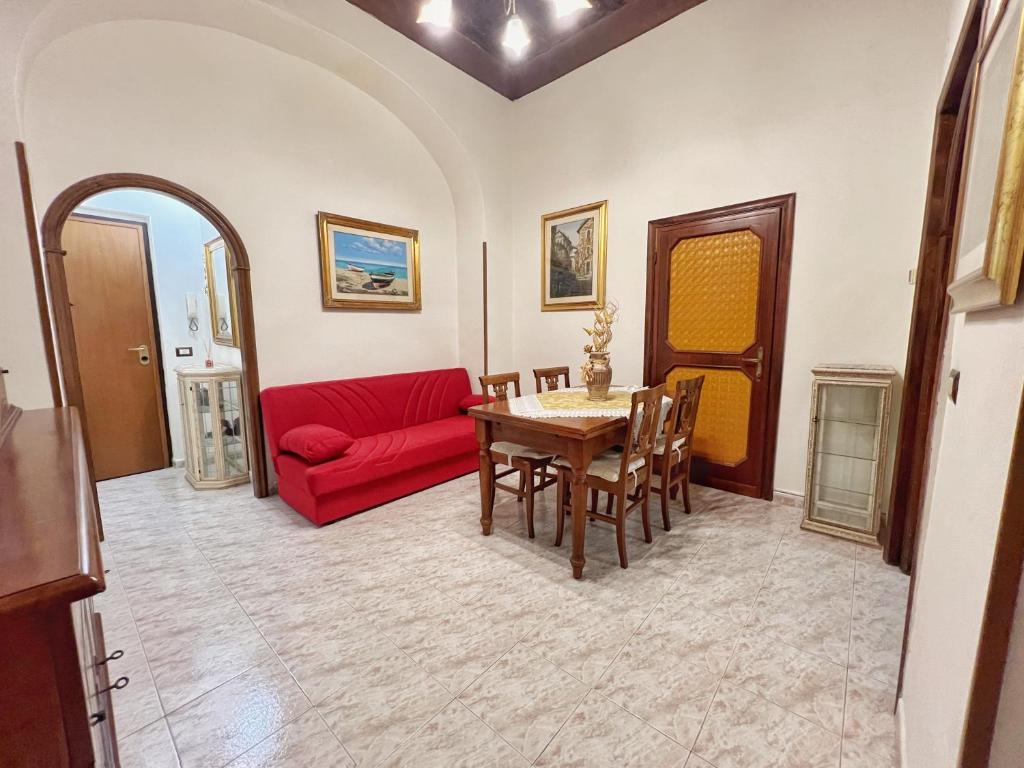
[469,401]
[315,442]
[377,458]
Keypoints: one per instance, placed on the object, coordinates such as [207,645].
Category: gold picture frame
[368,265]
[220,290]
[573,246]
[989,234]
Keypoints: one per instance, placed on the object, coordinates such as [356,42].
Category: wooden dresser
[55,703]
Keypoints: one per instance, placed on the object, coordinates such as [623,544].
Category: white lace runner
[572,402]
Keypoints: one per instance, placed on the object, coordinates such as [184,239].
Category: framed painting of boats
[573,245]
[367,265]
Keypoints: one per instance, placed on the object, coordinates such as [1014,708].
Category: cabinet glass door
[205,415]
[231,430]
[847,425]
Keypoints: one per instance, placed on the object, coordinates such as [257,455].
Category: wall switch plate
[954,385]
[912,276]
[183,351]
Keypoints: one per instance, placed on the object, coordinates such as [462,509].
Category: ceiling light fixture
[516,38]
[437,13]
[565,7]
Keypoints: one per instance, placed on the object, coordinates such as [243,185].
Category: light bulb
[515,38]
[437,13]
[565,7]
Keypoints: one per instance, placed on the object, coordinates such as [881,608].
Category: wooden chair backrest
[644,423]
[683,415]
[500,382]
[550,377]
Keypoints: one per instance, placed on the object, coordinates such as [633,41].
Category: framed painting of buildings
[366,265]
[573,258]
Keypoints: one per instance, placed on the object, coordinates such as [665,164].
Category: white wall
[970,458]
[730,102]
[269,139]
[177,235]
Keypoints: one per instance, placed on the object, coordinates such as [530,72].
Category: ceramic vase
[600,376]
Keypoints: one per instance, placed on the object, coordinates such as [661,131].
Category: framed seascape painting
[366,265]
[573,246]
[989,234]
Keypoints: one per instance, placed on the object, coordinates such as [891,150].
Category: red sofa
[410,431]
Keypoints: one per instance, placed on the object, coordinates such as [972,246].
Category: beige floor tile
[525,698]
[380,704]
[807,685]
[600,734]
[668,672]
[743,730]
[696,761]
[231,719]
[149,747]
[306,742]
[454,738]
[869,732]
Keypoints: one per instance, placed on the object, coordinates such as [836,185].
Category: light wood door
[111,307]
[717,284]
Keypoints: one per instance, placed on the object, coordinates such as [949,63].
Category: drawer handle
[97,717]
[117,685]
[112,657]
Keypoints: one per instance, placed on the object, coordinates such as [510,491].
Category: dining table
[577,438]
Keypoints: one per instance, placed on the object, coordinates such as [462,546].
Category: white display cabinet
[850,412]
[211,413]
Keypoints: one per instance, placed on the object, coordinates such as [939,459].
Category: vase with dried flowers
[596,372]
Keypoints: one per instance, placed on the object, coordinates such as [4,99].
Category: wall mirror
[989,235]
[219,287]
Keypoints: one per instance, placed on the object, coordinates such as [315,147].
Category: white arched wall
[458,121]
[270,139]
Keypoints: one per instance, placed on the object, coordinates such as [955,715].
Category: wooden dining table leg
[483,436]
[580,462]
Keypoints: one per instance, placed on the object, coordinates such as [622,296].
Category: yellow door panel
[723,420]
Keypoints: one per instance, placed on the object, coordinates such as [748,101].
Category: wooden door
[716,298]
[109,289]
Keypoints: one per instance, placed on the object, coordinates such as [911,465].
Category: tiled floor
[402,637]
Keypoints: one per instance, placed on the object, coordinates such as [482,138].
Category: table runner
[573,402]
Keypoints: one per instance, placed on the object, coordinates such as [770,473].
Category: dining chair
[550,376]
[672,464]
[529,463]
[625,476]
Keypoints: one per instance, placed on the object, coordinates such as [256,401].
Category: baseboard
[179,463]
[901,734]
[788,499]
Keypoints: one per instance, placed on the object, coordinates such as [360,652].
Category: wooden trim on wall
[53,224]
[998,618]
[930,314]
[786,204]
[37,273]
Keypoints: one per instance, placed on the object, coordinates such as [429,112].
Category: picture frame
[368,265]
[574,258]
[988,237]
[220,290]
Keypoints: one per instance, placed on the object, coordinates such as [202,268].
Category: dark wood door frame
[786,205]
[52,227]
[930,314]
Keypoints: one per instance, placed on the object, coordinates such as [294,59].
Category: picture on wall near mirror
[220,289]
[366,265]
[573,246]
[989,234]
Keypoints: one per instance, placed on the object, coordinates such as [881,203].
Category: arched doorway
[52,229]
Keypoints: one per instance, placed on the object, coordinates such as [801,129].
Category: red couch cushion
[315,442]
[378,457]
[470,400]
[367,406]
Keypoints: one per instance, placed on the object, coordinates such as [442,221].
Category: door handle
[143,351]
[759,360]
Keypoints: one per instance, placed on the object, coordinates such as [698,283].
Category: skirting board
[789,499]
[901,734]
[179,463]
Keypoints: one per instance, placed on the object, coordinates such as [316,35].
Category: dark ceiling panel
[557,46]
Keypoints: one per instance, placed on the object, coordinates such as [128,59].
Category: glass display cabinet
[850,409]
[211,414]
